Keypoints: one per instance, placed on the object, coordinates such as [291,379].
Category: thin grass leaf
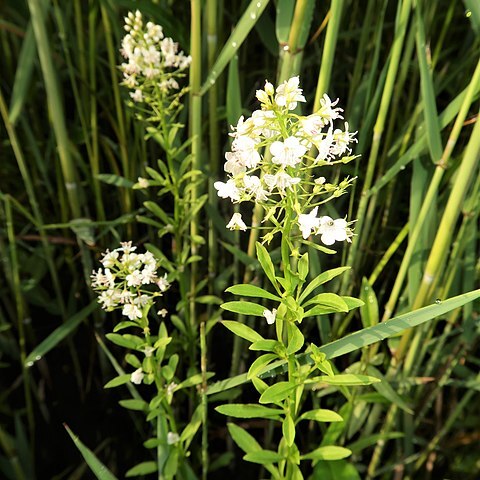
[430,113]
[237,37]
[23,74]
[97,467]
[59,334]
[362,338]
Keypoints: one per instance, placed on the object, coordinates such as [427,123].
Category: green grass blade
[430,113]
[362,338]
[97,467]
[59,334]
[23,74]
[240,32]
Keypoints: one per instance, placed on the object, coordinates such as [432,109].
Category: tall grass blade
[97,467]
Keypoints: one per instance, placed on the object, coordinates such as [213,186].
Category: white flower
[109,259]
[245,146]
[236,222]
[332,231]
[320,180]
[227,190]
[308,222]
[137,376]
[148,274]
[288,152]
[163,283]
[270,316]
[234,164]
[142,183]
[163,312]
[253,185]
[148,351]
[131,311]
[326,111]
[281,180]
[134,279]
[288,93]
[172,438]
[137,95]
[325,146]
[342,140]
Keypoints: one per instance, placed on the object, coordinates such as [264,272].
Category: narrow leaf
[242,331]
[96,466]
[239,410]
[330,452]
[321,415]
[244,308]
[246,290]
[277,392]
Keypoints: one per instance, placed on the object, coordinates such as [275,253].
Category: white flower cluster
[123,281]
[150,56]
[271,161]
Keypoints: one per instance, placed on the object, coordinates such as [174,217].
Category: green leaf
[430,113]
[240,410]
[243,439]
[324,277]
[242,331]
[303,267]
[112,179]
[330,452]
[127,341]
[193,380]
[244,308]
[158,212]
[267,264]
[295,339]
[96,466]
[321,415]
[234,93]
[288,430]
[238,35]
[335,470]
[263,457]
[364,442]
[277,392]
[352,302]
[59,334]
[134,404]
[260,363]
[331,300]
[265,345]
[344,379]
[369,311]
[143,468]
[283,20]
[247,290]
[117,381]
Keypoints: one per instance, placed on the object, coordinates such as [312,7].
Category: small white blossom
[288,152]
[289,93]
[163,283]
[332,231]
[137,95]
[236,222]
[142,183]
[172,438]
[281,180]
[163,312]
[308,222]
[134,279]
[253,186]
[227,190]
[137,376]
[131,311]
[270,316]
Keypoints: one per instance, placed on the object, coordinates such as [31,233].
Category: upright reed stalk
[400,30]
[431,193]
[328,54]
[55,108]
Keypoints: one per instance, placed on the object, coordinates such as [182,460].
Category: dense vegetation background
[71,151]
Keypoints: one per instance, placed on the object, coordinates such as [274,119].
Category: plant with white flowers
[131,282]
[273,164]
[153,63]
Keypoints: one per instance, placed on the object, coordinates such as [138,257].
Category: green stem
[328,54]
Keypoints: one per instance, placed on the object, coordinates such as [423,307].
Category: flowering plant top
[272,163]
